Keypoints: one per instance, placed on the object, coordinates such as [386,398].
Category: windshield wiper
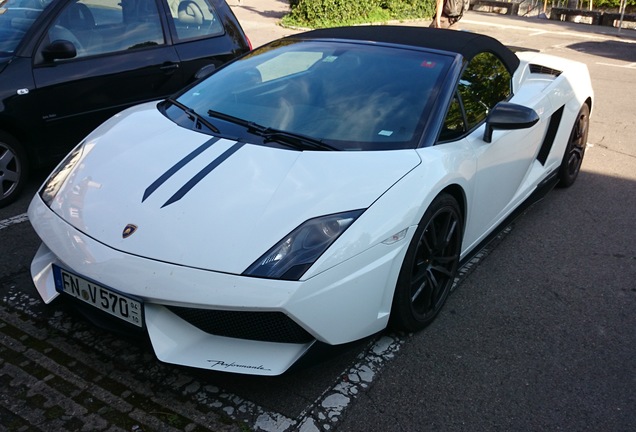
[230,118]
[294,140]
[194,116]
[290,139]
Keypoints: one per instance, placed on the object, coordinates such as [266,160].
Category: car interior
[114,25]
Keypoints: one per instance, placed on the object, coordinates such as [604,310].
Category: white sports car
[317,189]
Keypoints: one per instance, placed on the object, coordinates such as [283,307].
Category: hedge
[329,13]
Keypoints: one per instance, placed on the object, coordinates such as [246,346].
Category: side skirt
[540,191]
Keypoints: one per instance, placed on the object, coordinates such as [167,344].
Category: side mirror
[59,50]
[205,71]
[508,116]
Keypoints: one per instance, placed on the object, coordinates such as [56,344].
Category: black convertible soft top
[467,44]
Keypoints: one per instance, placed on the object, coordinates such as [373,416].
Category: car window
[16,18]
[484,83]
[194,19]
[454,125]
[352,96]
[106,26]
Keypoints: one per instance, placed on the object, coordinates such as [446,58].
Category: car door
[205,32]
[122,58]
[503,163]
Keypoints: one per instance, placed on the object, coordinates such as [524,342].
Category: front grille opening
[538,69]
[258,326]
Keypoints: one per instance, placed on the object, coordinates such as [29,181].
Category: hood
[207,202]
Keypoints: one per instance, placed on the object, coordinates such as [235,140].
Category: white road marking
[13,221]
[535,31]
[627,66]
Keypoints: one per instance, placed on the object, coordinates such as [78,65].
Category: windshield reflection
[16,18]
[353,96]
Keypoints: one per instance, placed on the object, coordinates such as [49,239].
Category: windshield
[350,96]
[16,18]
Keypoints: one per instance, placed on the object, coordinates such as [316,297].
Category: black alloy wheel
[575,149]
[428,272]
[12,169]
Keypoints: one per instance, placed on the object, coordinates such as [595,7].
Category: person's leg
[445,23]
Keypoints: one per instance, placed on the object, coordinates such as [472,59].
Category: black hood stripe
[202,174]
[172,171]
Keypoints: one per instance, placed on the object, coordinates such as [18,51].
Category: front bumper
[347,302]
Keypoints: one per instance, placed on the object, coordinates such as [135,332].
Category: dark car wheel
[13,169]
[575,150]
[430,265]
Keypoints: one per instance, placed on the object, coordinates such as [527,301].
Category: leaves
[332,13]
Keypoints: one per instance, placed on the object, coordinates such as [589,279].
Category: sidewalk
[261,21]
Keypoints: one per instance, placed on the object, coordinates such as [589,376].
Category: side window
[194,19]
[454,125]
[484,83]
[105,26]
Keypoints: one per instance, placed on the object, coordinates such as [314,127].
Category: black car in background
[68,65]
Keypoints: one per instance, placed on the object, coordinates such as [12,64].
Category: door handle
[169,67]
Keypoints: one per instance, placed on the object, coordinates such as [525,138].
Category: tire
[13,169]
[575,149]
[430,265]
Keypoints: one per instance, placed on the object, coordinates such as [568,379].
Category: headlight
[57,178]
[294,254]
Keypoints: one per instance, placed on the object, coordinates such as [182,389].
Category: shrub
[330,13]
[409,9]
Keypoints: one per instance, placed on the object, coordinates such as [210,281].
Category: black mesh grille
[538,69]
[260,326]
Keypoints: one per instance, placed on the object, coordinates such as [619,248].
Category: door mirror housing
[59,50]
[205,71]
[509,116]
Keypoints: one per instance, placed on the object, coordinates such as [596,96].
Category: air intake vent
[538,69]
[259,326]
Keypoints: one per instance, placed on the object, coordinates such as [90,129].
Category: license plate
[104,299]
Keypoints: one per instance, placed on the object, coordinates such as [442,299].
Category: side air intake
[538,69]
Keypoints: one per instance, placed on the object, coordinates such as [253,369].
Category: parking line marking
[13,221]
[536,29]
[627,66]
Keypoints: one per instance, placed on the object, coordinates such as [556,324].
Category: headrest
[190,13]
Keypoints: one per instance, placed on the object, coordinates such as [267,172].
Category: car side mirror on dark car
[59,50]
[205,71]
[508,116]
